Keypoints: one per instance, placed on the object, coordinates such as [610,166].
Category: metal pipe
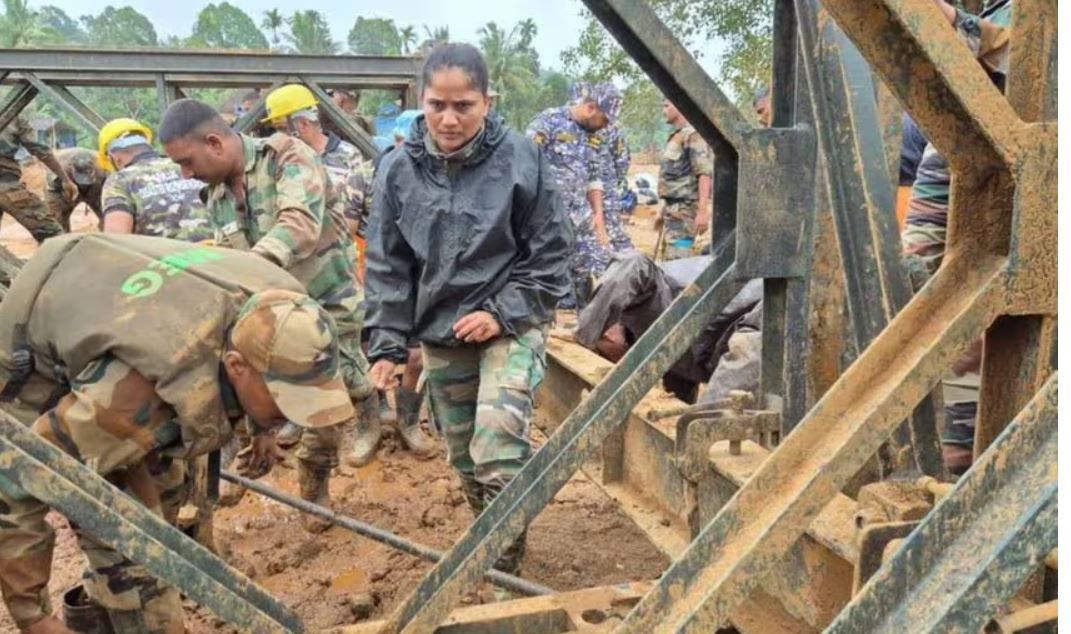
[500,579]
[1024,619]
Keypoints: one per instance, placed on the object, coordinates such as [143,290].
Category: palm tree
[273,21]
[407,35]
[508,63]
[528,30]
[21,26]
[309,34]
[440,35]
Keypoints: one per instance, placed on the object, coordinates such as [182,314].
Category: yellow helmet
[286,100]
[114,129]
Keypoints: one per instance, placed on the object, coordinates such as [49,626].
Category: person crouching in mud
[468,254]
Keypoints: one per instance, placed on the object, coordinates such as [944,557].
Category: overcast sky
[559,21]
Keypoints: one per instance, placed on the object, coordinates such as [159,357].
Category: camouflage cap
[292,341]
[84,168]
[605,95]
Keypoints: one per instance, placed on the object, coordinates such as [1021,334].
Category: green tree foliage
[225,26]
[68,29]
[743,27]
[309,34]
[375,36]
[514,71]
[122,27]
[22,26]
[272,22]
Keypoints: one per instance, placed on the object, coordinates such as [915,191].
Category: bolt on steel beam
[971,555]
[35,466]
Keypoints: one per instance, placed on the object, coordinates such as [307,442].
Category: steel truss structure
[49,73]
[764,537]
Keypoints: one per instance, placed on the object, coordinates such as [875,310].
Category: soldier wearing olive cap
[175,343]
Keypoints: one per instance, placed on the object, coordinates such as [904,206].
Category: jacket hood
[493,135]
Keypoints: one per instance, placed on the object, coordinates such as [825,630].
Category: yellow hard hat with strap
[117,129]
[286,100]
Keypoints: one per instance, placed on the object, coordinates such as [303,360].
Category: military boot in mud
[473,491]
[369,431]
[313,481]
[408,404]
[387,415]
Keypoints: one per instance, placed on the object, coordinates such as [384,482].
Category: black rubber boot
[408,404]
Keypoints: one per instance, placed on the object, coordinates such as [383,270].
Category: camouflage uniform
[350,175]
[15,199]
[290,217]
[573,156]
[614,165]
[482,395]
[163,203]
[146,388]
[925,232]
[81,166]
[684,160]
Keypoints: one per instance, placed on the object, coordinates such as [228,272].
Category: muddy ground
[580,540]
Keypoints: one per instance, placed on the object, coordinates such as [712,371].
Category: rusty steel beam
[771,511]
[986,273]
[933,74]
[863,203]
[652,492]
[33,465]
[973,553]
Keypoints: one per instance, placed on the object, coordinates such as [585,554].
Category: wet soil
[580,540]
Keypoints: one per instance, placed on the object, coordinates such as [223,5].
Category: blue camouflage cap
[605,95]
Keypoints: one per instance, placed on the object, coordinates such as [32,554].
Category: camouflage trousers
[482,396]
[619,238]
[679,217]
[29,210]
[113,422]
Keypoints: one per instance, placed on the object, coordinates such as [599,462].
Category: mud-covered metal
[116,519]
[973,553]
[862,410]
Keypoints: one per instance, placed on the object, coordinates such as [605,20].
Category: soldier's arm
[118,206]
[703,169]
[301,195]
[357,189]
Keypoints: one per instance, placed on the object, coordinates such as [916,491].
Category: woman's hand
[477,327]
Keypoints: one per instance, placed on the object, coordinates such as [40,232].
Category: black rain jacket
[449,237]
